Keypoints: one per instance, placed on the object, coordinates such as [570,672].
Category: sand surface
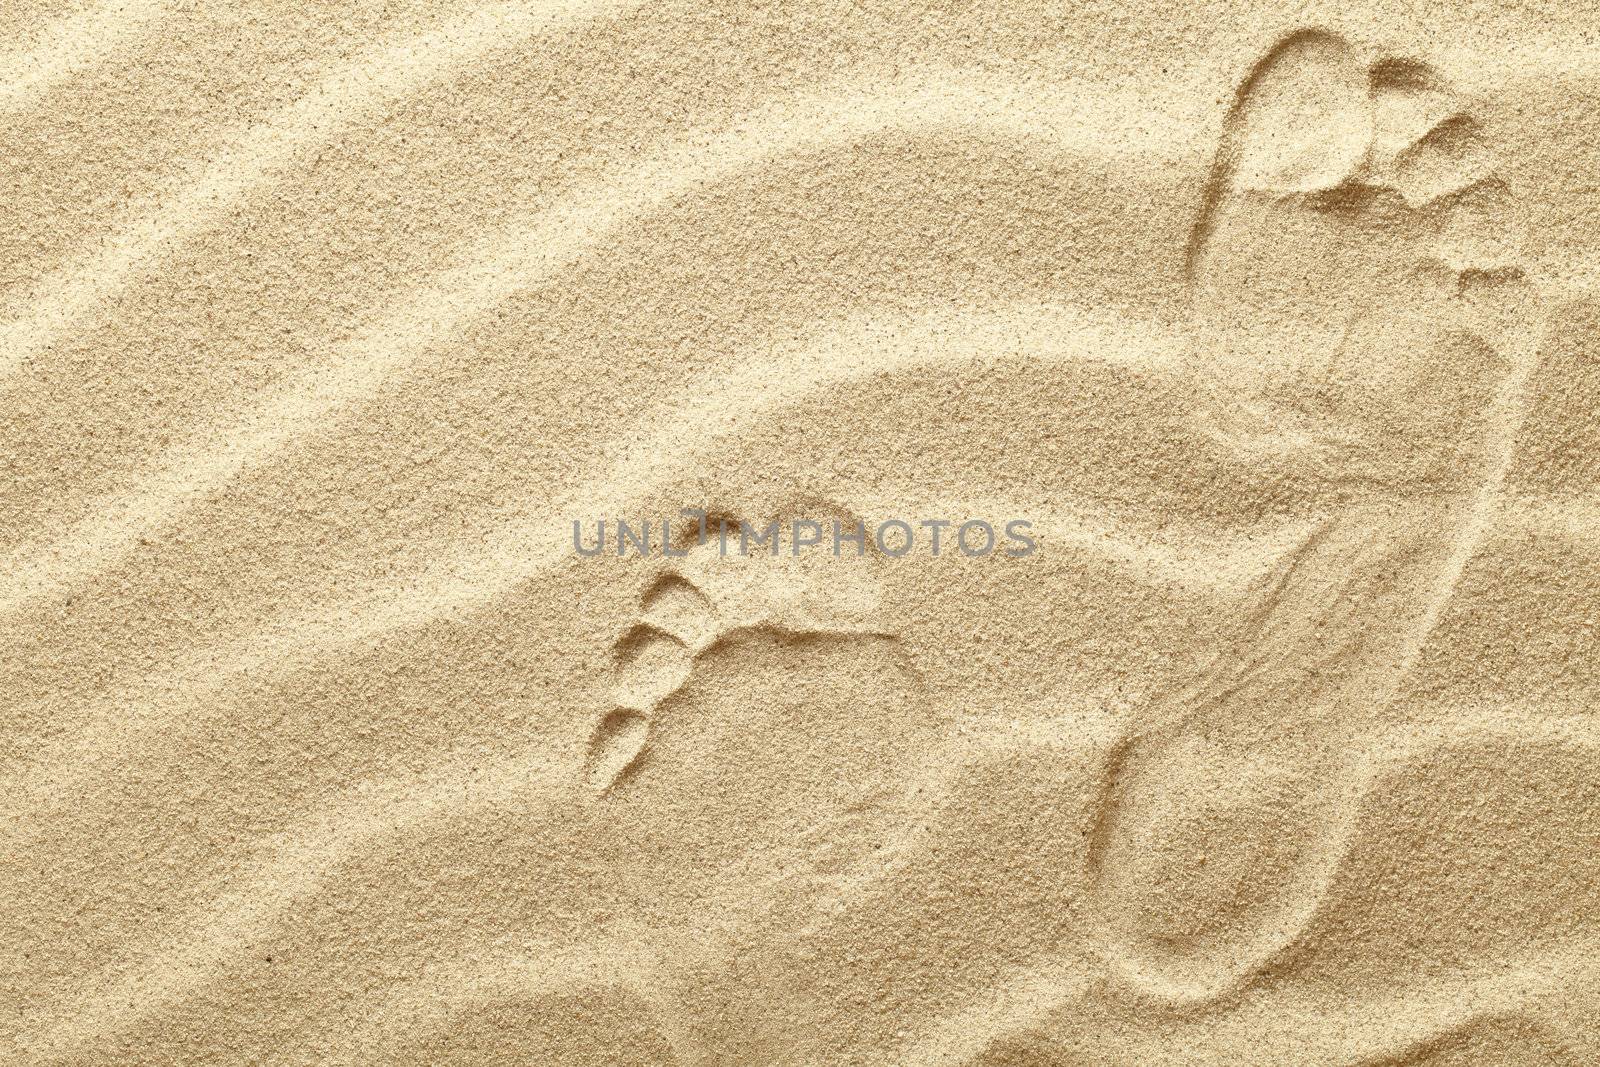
[321,325]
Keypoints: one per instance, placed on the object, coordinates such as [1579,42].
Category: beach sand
[1267,737]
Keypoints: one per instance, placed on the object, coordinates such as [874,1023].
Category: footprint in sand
[1354,267]
[713,612]
[1363,326]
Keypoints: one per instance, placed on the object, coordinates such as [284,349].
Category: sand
[1266,738]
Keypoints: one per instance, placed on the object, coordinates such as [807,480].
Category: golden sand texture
[321,324]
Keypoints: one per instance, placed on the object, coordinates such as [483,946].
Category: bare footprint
[715,594]
[1354,269]
[1363,324]
[764,724]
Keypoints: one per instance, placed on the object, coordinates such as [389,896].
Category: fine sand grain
[1268,738]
